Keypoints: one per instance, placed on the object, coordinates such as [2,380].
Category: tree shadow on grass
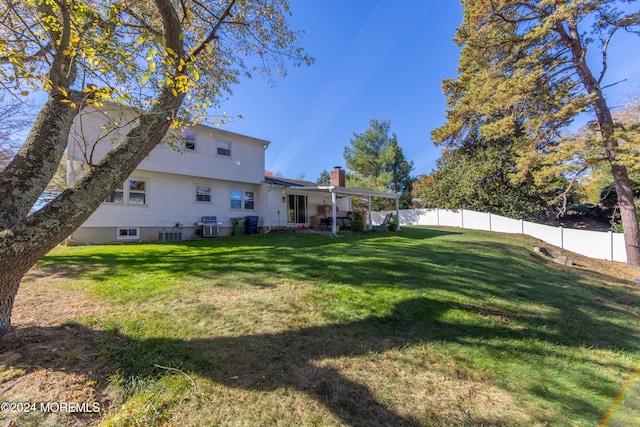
[262,362]
[521,298]
[266,362]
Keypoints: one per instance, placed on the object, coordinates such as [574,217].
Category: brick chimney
[337,177]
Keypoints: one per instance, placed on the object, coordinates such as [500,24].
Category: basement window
[128,233]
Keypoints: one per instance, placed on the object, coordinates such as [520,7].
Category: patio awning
[345,191]
[350,192]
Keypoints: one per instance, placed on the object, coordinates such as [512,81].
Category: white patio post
[398,212]
[370,227]
[333,209]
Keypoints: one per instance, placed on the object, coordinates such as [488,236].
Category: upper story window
[203,193]
[190,142]
[223,148]
[131,192]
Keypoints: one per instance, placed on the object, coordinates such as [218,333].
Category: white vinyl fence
[594,244]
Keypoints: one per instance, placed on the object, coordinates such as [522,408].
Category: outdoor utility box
[239,225]
[252,224]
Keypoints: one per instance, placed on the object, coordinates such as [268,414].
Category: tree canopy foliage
[478,175]
[168,61]
[524,71]
[377,161]
[324,178]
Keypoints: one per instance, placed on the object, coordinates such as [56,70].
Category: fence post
[611,240]
[461,218]
[437,216]
[521,225]
[490,228]
[561,237]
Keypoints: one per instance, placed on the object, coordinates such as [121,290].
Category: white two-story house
[205,172]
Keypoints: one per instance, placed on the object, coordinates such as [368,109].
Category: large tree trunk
[7,296]
[605,122]
[628,213]
[25,239]
[26,177]
[31,237]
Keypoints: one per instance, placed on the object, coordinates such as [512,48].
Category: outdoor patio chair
[387,220]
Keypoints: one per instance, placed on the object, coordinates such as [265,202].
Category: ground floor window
[203,193]
[297,209]
[125,233]
[248,200]
[242,199]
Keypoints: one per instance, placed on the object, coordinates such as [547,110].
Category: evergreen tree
[523,67]
[377,161]
[324,178]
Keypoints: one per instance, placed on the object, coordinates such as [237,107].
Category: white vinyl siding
[211,158]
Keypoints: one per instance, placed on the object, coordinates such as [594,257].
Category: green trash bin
[239,224]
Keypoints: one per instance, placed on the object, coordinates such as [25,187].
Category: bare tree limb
[212,34]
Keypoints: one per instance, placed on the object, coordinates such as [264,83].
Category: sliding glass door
[297,209]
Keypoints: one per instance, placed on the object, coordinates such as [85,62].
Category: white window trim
[224,141]
[242,200]
[121,189]
[128,237]
[126,193]
[195,141]
[230,200]
[253,200]
[195,194]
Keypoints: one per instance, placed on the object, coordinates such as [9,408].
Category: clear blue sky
[374,59]
[381,59]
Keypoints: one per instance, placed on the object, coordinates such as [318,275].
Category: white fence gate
[594,244]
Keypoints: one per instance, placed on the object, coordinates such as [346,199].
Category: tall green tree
[524,67]
[478,175]
[324,178]
[377,161]
[167,60]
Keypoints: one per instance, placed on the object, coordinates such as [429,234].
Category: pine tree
[524,71]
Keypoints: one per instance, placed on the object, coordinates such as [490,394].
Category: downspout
[269,206]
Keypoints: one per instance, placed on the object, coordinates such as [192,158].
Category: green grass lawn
[421,327]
